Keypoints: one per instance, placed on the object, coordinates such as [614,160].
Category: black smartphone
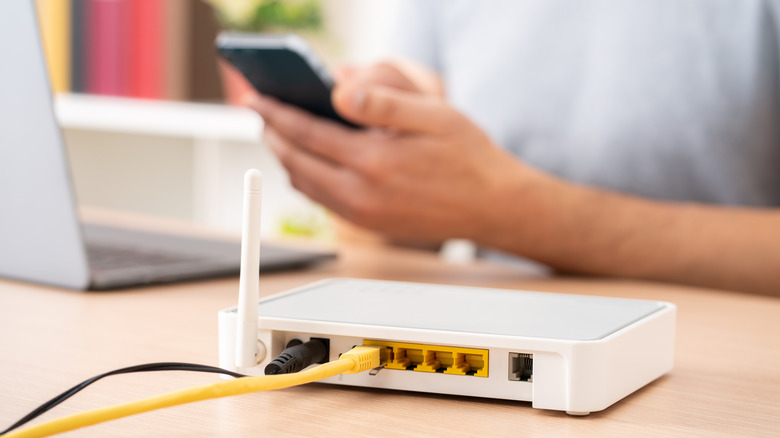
[283,67]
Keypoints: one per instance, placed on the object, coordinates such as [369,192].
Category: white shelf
[154,117]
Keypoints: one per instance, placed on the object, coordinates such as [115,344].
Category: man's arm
[592,231]
[426,172]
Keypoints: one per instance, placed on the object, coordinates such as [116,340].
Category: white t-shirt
[668,99]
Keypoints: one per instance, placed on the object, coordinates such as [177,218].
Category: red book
[146,36]
[107,46]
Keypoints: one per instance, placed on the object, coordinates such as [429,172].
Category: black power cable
[159,366]
[298,356]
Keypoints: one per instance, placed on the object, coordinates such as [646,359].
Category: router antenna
[249,283]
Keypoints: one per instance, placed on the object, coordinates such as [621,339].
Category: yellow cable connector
[365,358]
[357,360]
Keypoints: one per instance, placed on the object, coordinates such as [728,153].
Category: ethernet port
[415,356]
[521,366]
[433,358]
[445,360]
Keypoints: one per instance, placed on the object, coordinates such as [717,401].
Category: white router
[571,353]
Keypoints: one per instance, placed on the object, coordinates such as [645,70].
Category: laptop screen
[39,232]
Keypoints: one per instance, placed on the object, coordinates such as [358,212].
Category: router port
[521,367]
[433,358]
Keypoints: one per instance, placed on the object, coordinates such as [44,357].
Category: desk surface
[726,379]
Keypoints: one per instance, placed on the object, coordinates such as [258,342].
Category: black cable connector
[298,356]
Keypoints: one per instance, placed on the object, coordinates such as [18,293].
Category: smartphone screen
[284,68]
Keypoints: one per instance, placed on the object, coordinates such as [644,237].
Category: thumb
[345,72]
[388,107]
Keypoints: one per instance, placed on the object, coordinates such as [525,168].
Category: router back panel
[572,353]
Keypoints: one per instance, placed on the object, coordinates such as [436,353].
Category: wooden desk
[726,379]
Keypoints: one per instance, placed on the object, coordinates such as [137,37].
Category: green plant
[269,15]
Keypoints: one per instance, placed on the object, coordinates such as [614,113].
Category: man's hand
[421,170]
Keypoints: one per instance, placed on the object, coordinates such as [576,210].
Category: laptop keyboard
[102,256]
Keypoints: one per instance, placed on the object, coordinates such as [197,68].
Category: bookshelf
[150,49]
[176,159]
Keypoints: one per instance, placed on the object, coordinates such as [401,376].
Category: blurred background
[149,115]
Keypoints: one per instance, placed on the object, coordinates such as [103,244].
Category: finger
[397,109]
[239,88]
[384,74]
[248,99]
[322,137]
[426,80]
[346,72]
[316,178]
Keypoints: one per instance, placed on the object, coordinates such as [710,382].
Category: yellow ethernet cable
[357,360]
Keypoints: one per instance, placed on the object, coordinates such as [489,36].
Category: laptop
[41,238]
